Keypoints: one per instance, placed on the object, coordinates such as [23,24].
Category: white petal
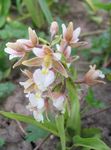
[64,29]
[59,103]
[76,34]
[57,56]
[36,102]
[12,56]
[68,65]
[43,80]
[101,75]
[49,78]
[38,116]
[58,47]
[68,52]
[38,52]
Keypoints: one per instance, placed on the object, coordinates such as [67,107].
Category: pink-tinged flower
[47,59]
[15,50]
[38,116]
[21,47]
[92,76]
[58,101]
[66,52]
[54,28]
[43,79]
[70,35]
[31,42]
[29,85]
[36,100]
[37,113]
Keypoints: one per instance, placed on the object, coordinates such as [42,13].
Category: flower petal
[64,29]
[33,62]
[59,68]
[76,34]
[36,102]
[38,116]
[33,36]
[38,52]
[43,80]
[57,56]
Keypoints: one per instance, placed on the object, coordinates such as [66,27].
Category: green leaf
[46,10]
[91,4]
[34,133]
[74,118]
[4,9]
[2,142]
[13,30]
[92,101]
[6,89]
[90,132]
[48,126]
[35,12]
[61,130]
[103,5]
[93,143]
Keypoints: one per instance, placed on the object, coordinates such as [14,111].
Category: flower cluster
[46,84]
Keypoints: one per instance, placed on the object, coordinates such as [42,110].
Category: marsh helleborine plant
[45,87]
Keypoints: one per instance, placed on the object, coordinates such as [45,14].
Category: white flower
[58,101]
[36,100]
[43,78]
[38,116]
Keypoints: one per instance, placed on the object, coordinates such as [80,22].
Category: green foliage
[35,12]
[4,10]
[61,130]
[45,10]
[100,50]
[74,118]
[34,133]
[2,142]
[92,101]
[13,30]
[91,132]
[48,126]
[6,89]
[92,143]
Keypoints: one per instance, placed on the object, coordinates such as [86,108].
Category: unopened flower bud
[54,28]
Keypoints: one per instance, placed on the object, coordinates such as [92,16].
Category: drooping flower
[29,85]
[36,100]
[38,114]
[43,79]
[92,76]
[47,59]
[54,29]
[58,100]
[21,47]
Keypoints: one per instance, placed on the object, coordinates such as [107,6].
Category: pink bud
[54,28]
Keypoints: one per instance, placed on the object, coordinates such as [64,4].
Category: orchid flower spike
[92,76]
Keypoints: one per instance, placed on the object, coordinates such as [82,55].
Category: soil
[10,130]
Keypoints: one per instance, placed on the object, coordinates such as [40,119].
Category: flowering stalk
[50,88]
